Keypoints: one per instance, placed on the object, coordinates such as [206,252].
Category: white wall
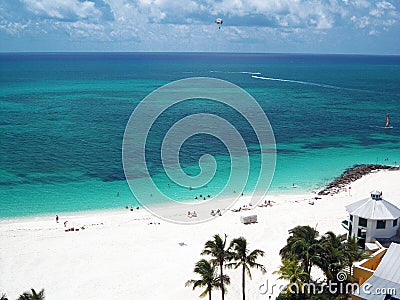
[372,232]
[388,232]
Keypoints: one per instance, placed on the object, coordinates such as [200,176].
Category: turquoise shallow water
[62,119]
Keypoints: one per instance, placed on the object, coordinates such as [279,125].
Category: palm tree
[217,249]
[338,254]
[332,260]
[303,246]
[246,260]
[353,252]
[32,295]
[293,272]
[209,278]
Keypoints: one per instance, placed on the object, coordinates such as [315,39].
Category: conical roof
[374,208]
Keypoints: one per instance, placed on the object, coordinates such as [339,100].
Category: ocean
[63,117]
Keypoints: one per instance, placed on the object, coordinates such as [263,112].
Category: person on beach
[56,218]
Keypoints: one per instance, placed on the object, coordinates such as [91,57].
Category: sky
[264,26]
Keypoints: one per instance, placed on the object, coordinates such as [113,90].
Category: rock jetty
[351,175]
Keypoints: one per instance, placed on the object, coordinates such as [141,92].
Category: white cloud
[286,12]
[381,8]
[13,28]
[373,32]
[60,9]
[139,14]
[385,5]
[191,22]
[379,17]
[358,3]
[81,29]
[361,22]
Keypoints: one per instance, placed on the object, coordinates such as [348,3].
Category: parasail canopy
[219,21]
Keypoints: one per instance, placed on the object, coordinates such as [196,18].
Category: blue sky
[286,26]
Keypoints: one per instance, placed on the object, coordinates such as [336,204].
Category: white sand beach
[133,255]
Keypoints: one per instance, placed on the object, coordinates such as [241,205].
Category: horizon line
[193,52]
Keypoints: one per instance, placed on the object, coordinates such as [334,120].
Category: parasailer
[219,21]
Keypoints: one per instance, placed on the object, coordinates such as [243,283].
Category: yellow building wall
[362,275]
[365,270]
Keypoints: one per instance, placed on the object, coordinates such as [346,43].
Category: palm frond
[33,295]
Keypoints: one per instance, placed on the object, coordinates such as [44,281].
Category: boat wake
[381,127]
[239,72]
[252,73]
[309,83]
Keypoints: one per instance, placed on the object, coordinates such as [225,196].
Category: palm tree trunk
[243,283]
[221,264]
[308,269]
[209,291]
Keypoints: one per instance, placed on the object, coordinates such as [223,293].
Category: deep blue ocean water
[63,116]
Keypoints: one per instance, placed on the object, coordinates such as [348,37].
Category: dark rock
[351,175]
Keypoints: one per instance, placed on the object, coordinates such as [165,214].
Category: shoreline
[125,253]
[289,192]
[326,187]
[143,213]
[335,186]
